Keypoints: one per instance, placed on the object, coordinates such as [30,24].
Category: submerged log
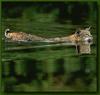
[41,46]
[81,48]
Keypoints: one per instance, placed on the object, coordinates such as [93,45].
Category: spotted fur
[21,36]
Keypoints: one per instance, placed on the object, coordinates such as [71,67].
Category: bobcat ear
[88,28]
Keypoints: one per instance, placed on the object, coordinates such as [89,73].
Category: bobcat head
[84,36]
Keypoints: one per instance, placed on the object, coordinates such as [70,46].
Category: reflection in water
[59,64]
[32,72]
[84,73]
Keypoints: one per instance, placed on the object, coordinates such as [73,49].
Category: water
[57,68]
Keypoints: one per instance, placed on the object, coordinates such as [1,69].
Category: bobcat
[81,38]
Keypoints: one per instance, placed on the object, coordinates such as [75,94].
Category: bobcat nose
[89,40]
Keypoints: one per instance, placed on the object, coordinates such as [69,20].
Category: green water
[61,63]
